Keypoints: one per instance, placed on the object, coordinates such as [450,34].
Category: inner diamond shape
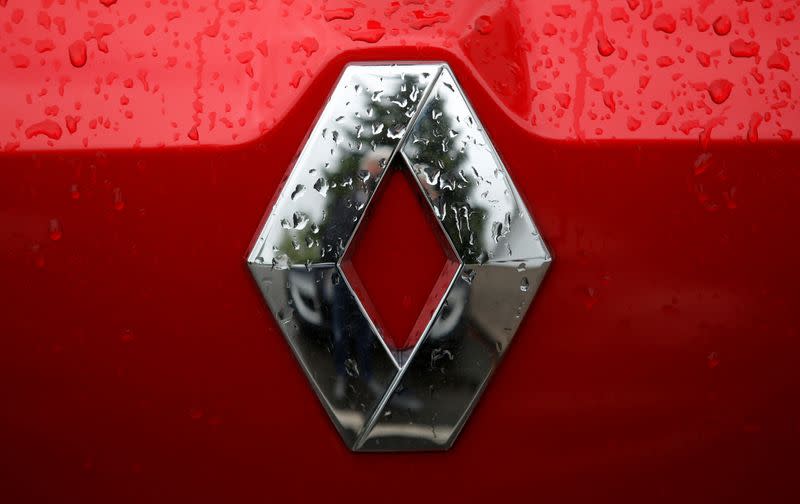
[399,263]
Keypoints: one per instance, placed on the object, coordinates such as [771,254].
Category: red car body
[655,144]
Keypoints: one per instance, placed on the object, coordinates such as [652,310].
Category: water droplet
[396,131]
[604,46]
[439,354]
[431,175]
[299,191]
[778,61]
[119,201]
[373,32]
[497,231]
[341,13]
[743,49]
[524,285]
[48,128]
[77,53]
[484,25]
[281,262]
[752,129]
[702,163]
[54,230]
[351,367]
[321,186]
[665,23]
[300,220]
[563,11]
[20,61]
[713,360]
[468,275]
[720,90]
[72,123]
[722,25]
[126,335]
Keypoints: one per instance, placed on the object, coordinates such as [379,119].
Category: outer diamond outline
[379,399]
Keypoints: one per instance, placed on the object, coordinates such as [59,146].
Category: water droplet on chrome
[468,275]
[298,192]
[351,367]
[321,186]
[299,220]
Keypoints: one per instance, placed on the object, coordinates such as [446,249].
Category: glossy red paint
[399,263]
[658,361]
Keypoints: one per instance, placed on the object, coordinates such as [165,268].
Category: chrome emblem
[382,398]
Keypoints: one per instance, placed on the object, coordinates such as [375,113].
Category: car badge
[382,398]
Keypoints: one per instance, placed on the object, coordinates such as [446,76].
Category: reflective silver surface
[382,398]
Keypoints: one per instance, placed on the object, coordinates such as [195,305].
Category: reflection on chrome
[382,398]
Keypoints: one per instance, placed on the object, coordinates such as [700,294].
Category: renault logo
[381,397]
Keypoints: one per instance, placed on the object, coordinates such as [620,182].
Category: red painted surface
[659,359]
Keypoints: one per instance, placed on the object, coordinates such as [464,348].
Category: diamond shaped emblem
[382,396]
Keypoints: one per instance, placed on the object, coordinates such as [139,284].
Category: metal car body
[144,145]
